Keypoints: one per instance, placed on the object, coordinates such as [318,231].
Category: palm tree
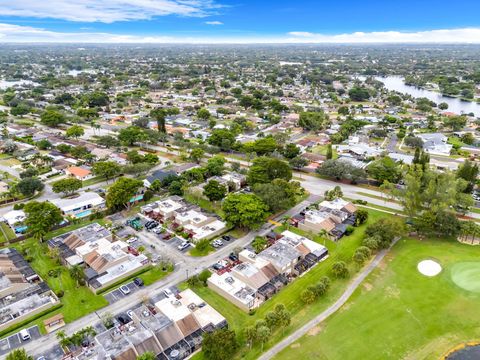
[76,272]
[19,354]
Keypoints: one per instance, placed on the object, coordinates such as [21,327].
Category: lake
[468,353]
[455,105]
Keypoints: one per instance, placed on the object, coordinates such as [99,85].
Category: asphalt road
[187,266]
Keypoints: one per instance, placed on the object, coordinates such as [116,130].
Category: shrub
[349,230]
[361,217]
[204,275]
[60,293]
[340,270]
[307,296]
[372,242]
[361,254]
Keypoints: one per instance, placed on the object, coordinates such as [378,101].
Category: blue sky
[239,21]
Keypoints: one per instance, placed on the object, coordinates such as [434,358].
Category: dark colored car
[217,266]
[137,281]
[233,257]
[123,319]
[226,237]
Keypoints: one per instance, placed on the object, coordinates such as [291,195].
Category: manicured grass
[93,181]
[399,313]
[373,196]
[195,252]
[6,233]
[10,162]
[153,275]
[322,150]
[475,210]
[290,295]
[77,301]
[210,206]
[455,141]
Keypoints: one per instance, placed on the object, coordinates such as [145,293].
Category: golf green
[467,276]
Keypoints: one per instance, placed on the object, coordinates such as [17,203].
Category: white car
[183,245]
[217,243]
[124,289]
[132,240]
[130,314]
[168,293]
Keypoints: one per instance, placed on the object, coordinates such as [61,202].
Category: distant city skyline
[239,21]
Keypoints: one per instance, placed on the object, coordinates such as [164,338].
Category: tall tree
[28,186]
[41,217]
[76,273]
[214,191]
[159,115]
[219,344]
[244,210]
[106,169]
[67,186]
[75,131]
[121,192]
[265,169]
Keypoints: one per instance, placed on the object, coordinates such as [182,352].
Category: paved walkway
[330,310]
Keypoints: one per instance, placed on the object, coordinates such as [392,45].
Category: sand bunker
[429,268]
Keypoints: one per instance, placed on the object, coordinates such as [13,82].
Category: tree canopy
[313,120]
[265,169]
[41,217]
[121,192]
[244,210]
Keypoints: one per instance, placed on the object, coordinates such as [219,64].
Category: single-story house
[80,173]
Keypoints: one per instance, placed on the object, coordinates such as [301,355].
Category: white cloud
[213,22]
[466,35]
[106,11]
[26,34]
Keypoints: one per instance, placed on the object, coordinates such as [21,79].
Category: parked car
[226,237]
[167,292]
[24,335]
[132,240]
[130,314]
[233,257]
[217,266]
[125,290]
[217,243]
[124,319]
[138,281]
[183,245]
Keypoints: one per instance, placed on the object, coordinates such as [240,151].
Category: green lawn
[77,301]
[322,150]
[153,275]
[210,206]
[455,140]
[399,313]
[6,233]
[195,252]
[93,181]
[290,295]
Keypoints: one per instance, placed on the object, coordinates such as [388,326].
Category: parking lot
[14,341]
[53,353]
[115,295]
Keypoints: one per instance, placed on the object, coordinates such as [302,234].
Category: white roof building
[85,200]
